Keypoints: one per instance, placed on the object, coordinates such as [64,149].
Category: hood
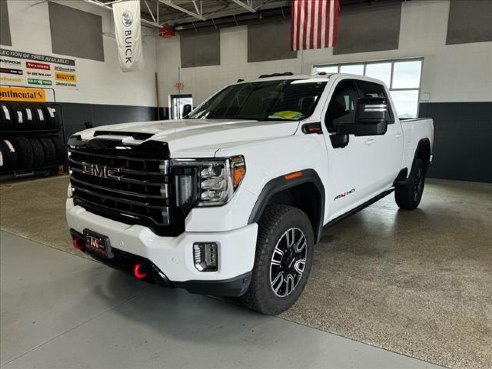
[196,137]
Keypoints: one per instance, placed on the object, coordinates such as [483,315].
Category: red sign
[38,66]
[179,86]
[167,31]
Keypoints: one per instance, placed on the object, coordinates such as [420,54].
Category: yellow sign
[66,77]
[22,94]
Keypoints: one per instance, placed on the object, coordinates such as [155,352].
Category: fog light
[205,256]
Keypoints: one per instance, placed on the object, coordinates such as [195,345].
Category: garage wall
[105,94]
[451,73]
[453,76]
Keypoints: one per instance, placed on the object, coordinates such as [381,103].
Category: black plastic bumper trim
[236,286]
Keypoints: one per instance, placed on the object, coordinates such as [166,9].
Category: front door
[350,168]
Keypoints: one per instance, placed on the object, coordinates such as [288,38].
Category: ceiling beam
[105,6]
[248,5]
[150,11]
[183,10]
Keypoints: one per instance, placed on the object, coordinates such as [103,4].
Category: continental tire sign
[19,68]
[22,94]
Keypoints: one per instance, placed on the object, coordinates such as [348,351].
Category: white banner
[128,32]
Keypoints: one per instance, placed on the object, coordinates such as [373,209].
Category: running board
[358,208]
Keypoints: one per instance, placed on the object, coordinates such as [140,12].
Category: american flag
[313,24]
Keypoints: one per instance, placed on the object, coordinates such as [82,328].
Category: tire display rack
[32,141]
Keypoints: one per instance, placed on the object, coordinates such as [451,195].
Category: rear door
[387,149]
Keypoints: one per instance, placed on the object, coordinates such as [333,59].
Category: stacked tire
[28,117]
[21,152]
[31,137]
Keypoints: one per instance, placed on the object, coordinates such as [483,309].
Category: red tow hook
[78,243]
[137,271]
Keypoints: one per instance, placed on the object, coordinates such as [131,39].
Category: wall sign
[22,94]
[18,68]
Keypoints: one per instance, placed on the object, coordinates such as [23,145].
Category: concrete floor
[62,311]
[416,283]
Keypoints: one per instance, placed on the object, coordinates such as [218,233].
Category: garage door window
[401,76]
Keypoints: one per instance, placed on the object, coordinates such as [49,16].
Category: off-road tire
[60,149]
[38,153]
[31,117]
[6,117]
[409,195]
[9,154]
[20,121]
[25,155]
[41,119]
[274,223]
[49,151]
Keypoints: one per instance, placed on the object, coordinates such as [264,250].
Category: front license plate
[98,244]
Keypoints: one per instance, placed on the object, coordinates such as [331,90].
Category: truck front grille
[127,183]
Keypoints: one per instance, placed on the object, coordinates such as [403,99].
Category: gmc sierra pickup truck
[231,200]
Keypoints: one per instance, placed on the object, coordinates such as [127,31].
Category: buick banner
[128,34]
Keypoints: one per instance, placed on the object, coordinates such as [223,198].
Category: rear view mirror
[371,110]
[371,118]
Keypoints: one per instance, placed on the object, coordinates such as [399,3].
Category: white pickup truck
[231,200]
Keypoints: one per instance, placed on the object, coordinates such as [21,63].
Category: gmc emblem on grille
[101,171]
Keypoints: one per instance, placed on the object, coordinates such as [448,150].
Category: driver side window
[342,105]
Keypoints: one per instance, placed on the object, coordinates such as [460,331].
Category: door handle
[398,135]
[370,141]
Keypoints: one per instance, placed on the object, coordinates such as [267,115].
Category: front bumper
[171,258]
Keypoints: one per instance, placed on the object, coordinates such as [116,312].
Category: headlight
[208,182]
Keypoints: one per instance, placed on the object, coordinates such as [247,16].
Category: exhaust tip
[138,271]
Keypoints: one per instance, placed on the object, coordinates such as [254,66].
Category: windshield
[292,99]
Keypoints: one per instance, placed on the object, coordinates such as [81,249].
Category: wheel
[60,149]
[37,149]
[24,152]
[284,254]
[409,196]
[49,151]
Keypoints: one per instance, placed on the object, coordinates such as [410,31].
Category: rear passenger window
[371,89]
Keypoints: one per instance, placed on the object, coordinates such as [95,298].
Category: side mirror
[186,110]
[371,118]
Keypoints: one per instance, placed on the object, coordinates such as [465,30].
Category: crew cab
[231,200]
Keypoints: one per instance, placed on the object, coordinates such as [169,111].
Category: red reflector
[78,243]
[293,175]
[314,129]
[137,271]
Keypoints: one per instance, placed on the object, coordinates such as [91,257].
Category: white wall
[97,82]
[454,73]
